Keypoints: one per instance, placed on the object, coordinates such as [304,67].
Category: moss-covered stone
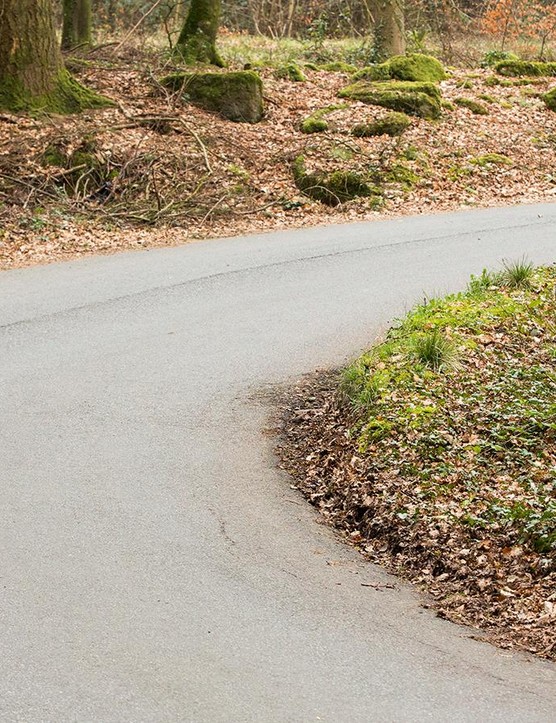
[400,174]
[291,71]
[517,68]
[338,67]
[393,124]
[236,96]
[314,124]
[413,67]
[419,99]
[487,98]
[333,188]
[550,99]
[472,105]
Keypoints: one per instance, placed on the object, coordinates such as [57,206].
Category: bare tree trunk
[197,40]
[292,7]
[76,29]
[389,28]
[32,73]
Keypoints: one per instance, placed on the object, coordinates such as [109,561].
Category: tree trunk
[76,29]
[389,28]
[197,40]
[32,73]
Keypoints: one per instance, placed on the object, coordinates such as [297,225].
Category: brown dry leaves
[197,176]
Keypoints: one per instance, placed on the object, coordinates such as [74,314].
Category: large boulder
[236,96]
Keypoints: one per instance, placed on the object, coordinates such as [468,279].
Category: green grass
[461,399]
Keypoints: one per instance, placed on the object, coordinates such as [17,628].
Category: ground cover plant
[435,452]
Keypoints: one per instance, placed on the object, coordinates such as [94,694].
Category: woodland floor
[167,173]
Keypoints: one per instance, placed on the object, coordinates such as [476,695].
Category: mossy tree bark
[389,28]
[197,40]
[76,29]
[32,73]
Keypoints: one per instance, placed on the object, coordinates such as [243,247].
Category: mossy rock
[397,173]
[550,99]
[419,99]
[518,68]
[332,189]
[393,124]
[237,96]
[291,71]
[413,67]
[338,67]
[314,124]
[472,105]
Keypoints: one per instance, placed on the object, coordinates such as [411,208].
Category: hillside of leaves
[155,170]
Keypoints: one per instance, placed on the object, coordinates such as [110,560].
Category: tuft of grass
[518,274]
[433,349]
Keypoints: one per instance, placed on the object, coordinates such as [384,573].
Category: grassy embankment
[437,454]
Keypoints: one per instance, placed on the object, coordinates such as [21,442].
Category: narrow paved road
[155,566]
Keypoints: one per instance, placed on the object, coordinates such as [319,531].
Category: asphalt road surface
[155,565]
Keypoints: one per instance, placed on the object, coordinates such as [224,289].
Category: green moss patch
[292,72]
[420,99]
[393,124]
[412,67]
[516,68]
[332,188]
[491,159]
[85,169]
[550,99]
[236,96]
[338,67]
[316,122]
[472,105]
[66,96]
[435,452]
[313,124]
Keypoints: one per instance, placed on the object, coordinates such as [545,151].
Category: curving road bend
[155,566]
